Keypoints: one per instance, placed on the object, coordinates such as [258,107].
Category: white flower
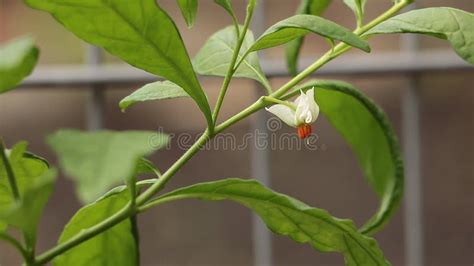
[300,114]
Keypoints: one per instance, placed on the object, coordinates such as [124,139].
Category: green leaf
[442,22]
[3,227]
[227,5]
[25,214]
[34,182]
[153,91]
[368,132]
[300,25]
[140,32]
[293,48]
[189,10]
[289,217]
[30,155]
[99,160]
[116,246]
[358,6]
[215,56]
[17,60]
[25,168]
[315,7]
[145,166]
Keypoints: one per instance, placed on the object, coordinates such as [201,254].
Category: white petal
[303,113]
[285,113]
[300,98]
[307,110]
[313,106]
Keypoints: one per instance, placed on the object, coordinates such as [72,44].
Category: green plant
[141,33]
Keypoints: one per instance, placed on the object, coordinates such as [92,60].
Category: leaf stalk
[10,173]
[231,70]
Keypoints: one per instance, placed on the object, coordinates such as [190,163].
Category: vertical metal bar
[413,227]
[413,192]
[95,97]
[260,159]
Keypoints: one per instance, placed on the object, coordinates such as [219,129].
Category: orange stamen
[304,131]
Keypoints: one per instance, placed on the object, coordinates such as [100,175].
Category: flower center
[304,130]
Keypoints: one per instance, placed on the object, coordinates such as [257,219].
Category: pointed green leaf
[289,217]
[116,246]
[215,56]
[227,5]
[189,10]
[30,155]
[145,167]
[34,182]
[99,160]
[140,32]
[358,6]
[443,22]
[293,48]
[153,91]
[17,60]
[368,132]
[300,25]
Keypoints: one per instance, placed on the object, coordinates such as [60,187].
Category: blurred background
[424,88]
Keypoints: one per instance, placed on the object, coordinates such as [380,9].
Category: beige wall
[201,233]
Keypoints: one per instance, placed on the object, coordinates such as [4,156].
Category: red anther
[304,131]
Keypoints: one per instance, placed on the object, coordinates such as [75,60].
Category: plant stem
[84,235]
[132,186]
[162,200]
[10,173]
[278,101]
[231,70]
[136,236]
[338,50]
[141,201]
[256,106]
[15,244]
[151,191]
[125,212]
[30,249]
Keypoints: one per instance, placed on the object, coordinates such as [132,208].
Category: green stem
[264,81]
[84,235]
[278,101]
[15,244]
[132,185]
[162,200]
[30,249]
[141,201]
[136,236]
[338,50]
[256,106]
[160,183]
[231,70]
[236,25]
[10,173]
[125,212]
